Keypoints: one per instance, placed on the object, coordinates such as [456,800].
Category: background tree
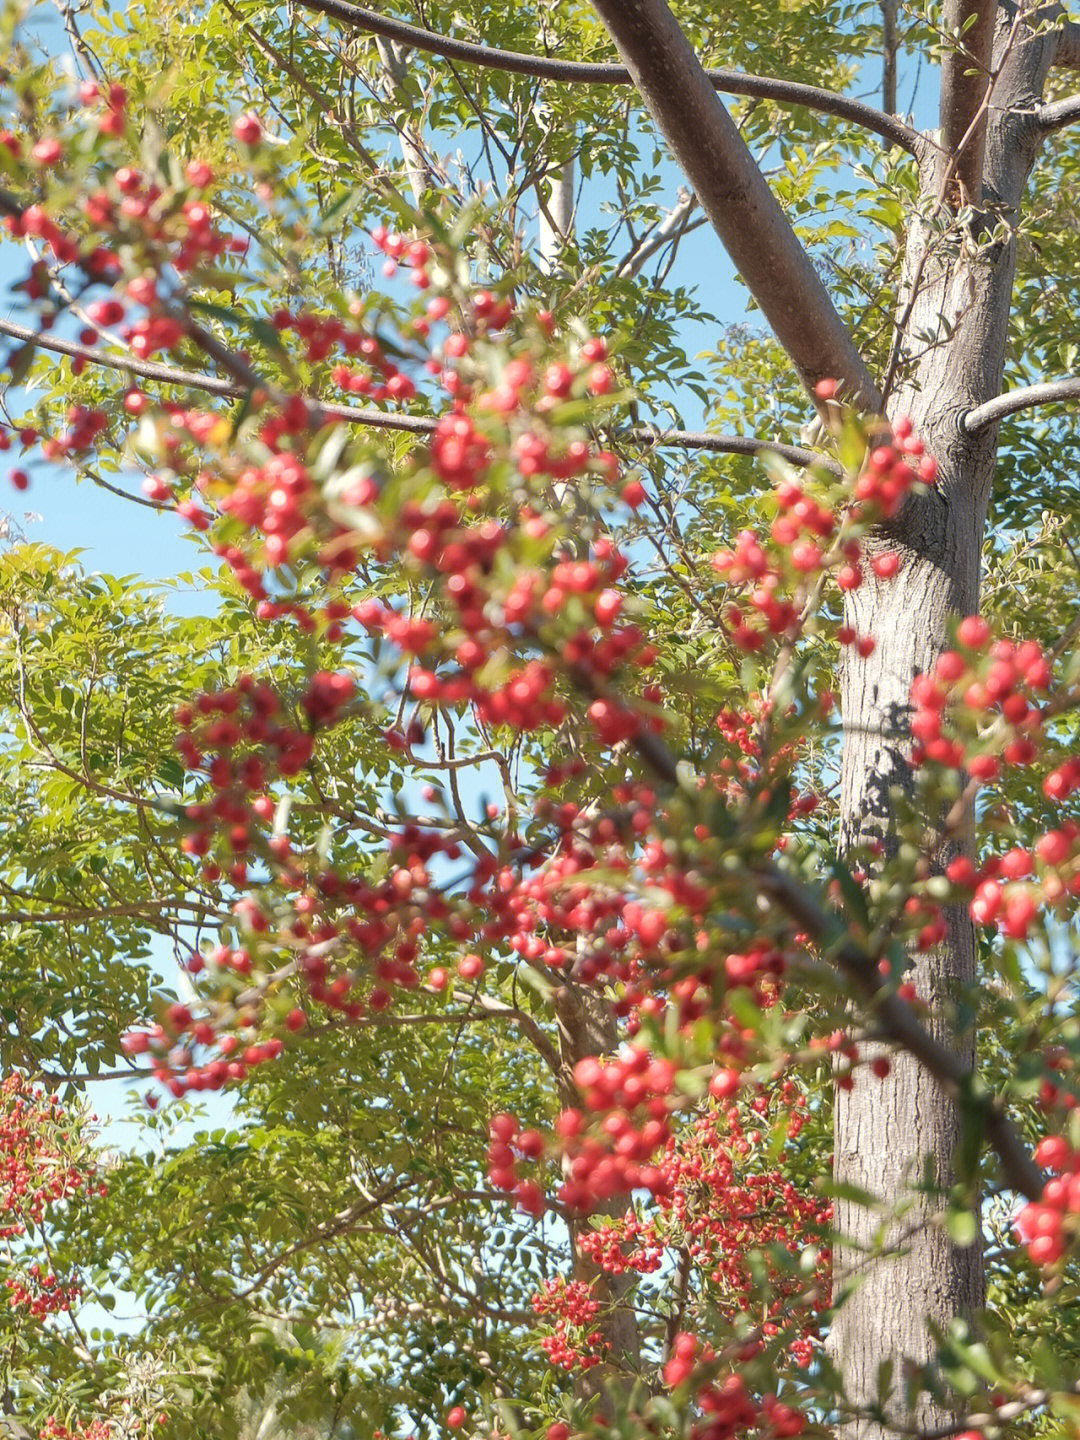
[923,251]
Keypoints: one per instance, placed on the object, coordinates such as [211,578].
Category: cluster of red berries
[1049,1226]
[41,1165]
[40,1293]
[380,380]
[132,209]
[984,707]
[803,542]
[892,470]
[84,427]
[54,1429]
[174,1063]
[217,726]
[574,1343]
[979,681]
[633,1092]
[510,1144]
[728,1407]
[717,1205]
[38,1165]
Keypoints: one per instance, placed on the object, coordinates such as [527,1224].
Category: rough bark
[954,304]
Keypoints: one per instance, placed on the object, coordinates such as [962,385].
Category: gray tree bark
[955,303]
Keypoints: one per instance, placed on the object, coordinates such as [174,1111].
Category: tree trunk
[954,307]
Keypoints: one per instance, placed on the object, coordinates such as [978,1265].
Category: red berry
[973,632]
[248,129]
[531,1144]
[608,605]
[724,1084]
[47,151]
[849,577]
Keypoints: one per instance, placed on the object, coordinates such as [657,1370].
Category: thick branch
[413,424]
[527,1023]
[1058,113]
[965,76]
[734,194]
[542,67]
[209,384]
[1025,398]
[150,909]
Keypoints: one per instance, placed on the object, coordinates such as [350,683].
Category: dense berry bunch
[771,579]
[54,1429]
[717,1204]
[573,1343]
[723,1398]
[43,1164]
[986,707]
[39,1292]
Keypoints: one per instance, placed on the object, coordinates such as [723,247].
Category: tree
[534,599]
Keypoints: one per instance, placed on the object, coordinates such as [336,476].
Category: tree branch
[148,909]
[1053,391]
[1058,113]
[527,1023]
[542,67]
[899,1023]
[413,424]
[674,223]
[734,194]
[890,44]
[965,75]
